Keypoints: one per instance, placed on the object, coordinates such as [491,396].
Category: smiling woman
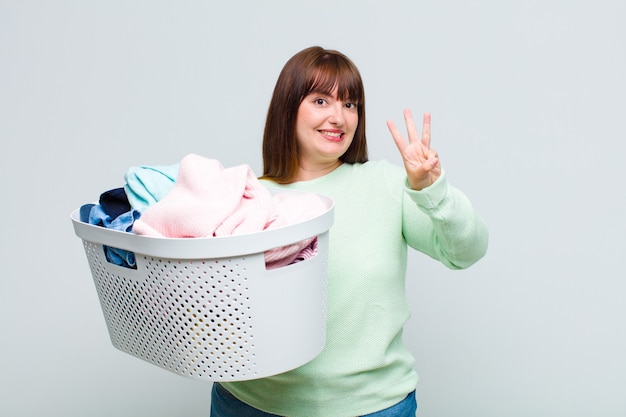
[318,78]
[314,140]
[324,131]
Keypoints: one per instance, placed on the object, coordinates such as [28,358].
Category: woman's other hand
[420,161]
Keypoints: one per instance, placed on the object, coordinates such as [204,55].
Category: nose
[336,113]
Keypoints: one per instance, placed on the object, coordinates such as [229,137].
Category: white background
[528,101]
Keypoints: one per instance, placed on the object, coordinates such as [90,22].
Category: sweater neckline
[324,178]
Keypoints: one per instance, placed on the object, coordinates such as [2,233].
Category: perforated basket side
[222,319]
[190,317]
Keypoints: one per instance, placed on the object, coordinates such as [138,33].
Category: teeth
[333,134]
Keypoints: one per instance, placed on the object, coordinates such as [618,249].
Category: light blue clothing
[120,257]
[94,214]
[147,185]
[123,222]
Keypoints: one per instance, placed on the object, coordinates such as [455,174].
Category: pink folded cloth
[292,208]
[210,200]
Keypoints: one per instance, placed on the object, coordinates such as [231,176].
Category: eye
[320,101]
[352,106]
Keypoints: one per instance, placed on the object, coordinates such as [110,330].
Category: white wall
[528,101]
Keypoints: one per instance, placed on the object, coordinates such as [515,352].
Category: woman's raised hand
[420,161]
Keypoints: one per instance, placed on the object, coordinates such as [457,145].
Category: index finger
[396,135]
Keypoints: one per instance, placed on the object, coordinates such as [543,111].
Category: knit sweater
[365,367]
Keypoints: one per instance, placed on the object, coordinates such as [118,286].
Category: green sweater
[365,367]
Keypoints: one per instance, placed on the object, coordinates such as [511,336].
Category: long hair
[311,70]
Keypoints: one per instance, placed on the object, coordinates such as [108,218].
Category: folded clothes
[292,208]
[146,185]
[112,212]
[200,198]
[115,202]
[210,200]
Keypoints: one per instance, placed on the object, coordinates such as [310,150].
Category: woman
[314,140]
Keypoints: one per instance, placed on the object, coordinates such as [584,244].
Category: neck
[309,172]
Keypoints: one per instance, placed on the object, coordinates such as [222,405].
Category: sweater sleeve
[440,221]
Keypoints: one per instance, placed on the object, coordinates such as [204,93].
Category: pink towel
[292,208]
[209,200]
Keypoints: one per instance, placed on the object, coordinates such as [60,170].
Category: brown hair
[311,70]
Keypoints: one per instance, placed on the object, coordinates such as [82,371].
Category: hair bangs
[334,74]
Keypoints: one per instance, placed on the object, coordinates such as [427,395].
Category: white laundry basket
[208,308]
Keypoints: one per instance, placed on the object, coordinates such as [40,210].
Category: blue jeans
[224,404]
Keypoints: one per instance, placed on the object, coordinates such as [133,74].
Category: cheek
[354,124]
[300,125]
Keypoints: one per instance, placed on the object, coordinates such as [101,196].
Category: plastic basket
[208,308]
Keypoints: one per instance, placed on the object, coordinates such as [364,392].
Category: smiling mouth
[336,135]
